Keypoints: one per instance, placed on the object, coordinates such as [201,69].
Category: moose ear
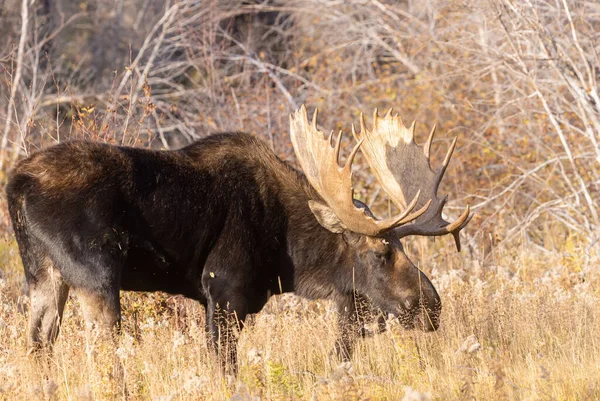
[326,217]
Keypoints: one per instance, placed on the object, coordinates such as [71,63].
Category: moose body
[223,221]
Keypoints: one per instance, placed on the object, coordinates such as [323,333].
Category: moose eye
[381,256]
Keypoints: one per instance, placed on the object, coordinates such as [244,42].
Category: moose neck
[324,265]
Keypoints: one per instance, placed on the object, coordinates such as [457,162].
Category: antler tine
[465,218]
[427,146]
[449,153]
[337,147]
[406,217]
[363,126]
[354,133]
[415,215]
[348,165]
[442,170]
[459,222]
[375,118]
[409,134]
[412,203]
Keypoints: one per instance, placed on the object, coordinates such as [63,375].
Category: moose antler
[403,168]
[319,161]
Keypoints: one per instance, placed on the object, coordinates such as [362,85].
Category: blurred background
[516,81]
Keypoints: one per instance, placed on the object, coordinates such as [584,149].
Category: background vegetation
[516,81]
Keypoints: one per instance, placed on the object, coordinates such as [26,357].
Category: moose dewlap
[226,222]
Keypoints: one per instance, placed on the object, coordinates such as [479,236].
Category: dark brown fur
[223,221]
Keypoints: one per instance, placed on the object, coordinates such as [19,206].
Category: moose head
[383,271]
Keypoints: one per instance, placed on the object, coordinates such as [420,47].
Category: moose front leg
[224,321]
[353,311]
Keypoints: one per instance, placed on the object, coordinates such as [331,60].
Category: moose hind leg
[99,292]
[48,294]
[101,311]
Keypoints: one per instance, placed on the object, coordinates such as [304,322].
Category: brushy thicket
[516,81]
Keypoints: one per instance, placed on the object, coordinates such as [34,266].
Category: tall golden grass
[522,325]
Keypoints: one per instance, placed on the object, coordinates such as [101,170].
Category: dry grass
[524,325]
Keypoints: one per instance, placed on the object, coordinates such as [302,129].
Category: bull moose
[226,222]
